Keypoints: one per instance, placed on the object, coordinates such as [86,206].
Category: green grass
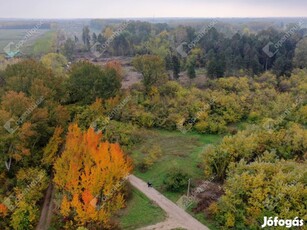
[140,212]
[180,150]
[45,44]
[18,35]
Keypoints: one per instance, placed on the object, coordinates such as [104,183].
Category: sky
[151,8]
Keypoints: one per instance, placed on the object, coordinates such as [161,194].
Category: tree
[282,67]
[86,38]
[91,175]
[101,39]
[16,145]
[258,189]
[109,85]
[69,48]
[34,79]
[159,45]
[300,58]
[53,147]
[19,77]
[216,68]
[191,68]
[76,39]
[56,62]
[108,32]
[31,184]
[121,44]
[249,144]
[94,38]
[152,69]
[176,66]
[88,82]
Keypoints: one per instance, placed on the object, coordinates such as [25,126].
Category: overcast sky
[151,8]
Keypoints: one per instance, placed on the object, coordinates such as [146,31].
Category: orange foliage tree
[91,175]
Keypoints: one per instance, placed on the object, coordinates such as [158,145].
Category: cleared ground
[179,150]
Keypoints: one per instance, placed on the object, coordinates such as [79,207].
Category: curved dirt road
[177,217]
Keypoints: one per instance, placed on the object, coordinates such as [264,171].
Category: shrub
[176,180]
[153,153]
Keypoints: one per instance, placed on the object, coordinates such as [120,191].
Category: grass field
[45,44]
[140,212]
[180,150]
[15,36]
[7,36]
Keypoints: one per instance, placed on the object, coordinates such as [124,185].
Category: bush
[176,180]
[146,119]
[153,153]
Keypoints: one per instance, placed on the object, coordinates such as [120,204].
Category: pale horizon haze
[145,8]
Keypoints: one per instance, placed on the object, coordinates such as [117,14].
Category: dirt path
[177,217]
[46,213]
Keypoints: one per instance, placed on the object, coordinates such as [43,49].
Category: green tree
[34,79]
[216,68]
[69,48]
[300,58]
[86,38]
[282,66]
[56,62]
[101,39]
[88,82]
[175,66]
[31,184]
[152,69]
[94,38]
[191,68]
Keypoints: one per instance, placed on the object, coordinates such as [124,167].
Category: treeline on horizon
[222,50]
[24,25]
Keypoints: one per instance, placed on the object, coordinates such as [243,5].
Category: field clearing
[183,151]
[178,150]
[18,35]
[45,44]
[7,36]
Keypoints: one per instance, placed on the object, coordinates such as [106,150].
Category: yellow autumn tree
[91,174]
[52,148]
